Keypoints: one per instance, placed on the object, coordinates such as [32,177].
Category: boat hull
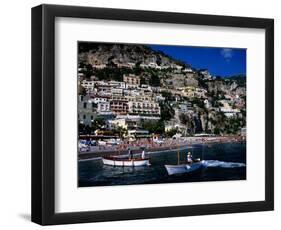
[183,168]
[126,163]
[175,169]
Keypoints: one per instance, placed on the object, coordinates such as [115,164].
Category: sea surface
[226,161]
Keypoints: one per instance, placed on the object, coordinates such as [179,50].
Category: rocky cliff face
[225,86]
[98,54]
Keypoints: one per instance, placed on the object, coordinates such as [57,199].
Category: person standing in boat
[189,158]
[143,154]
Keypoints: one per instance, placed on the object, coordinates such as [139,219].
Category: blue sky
[219,61]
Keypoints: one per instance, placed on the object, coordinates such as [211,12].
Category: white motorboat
[186,167]
[121,162]
[182,168]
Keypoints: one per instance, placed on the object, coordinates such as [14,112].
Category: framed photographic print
[142,114]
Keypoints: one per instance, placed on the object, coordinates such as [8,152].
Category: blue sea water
[225,161]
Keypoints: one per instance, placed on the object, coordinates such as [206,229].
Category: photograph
[150,114]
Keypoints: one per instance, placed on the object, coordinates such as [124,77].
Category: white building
[159,98]
[178,67]
[174,125]
[229,112]
[144,107]
[88,85]
[152,65]
[187,70]
[138,133]
[142,65]
[117,84]
[100,66]
[119,122]
[86,110]
[104,89]
[97,100]
[117,91]
[103,107]
[131,64]
[137,118]
[132,92]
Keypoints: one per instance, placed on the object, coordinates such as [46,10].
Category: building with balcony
[88,85]
[103,107]
[144,108]
[117,84]
[104,90]
[117,91]
[119,106]
[131,80]
[99,99]
[138,133]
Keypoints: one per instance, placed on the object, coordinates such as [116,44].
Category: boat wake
[222,164]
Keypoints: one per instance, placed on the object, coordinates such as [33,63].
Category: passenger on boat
[189,158]
[143,154]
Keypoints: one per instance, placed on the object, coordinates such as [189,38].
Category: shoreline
[183,144]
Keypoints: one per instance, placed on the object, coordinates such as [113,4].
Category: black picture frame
[43,114]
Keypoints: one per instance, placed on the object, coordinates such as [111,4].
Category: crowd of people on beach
[154,144]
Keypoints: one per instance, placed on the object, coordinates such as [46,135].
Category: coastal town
[154,102]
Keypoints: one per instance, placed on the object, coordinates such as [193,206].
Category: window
[84,116]
[85,105]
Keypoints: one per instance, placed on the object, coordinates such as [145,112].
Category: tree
[142,80]
[202,83]
[217,131]
[89,71]
[158,60]
[122,132]
[98,123]
[137,68]
[184,118]
[167,95]
[82,90]
[111,73]
[199,102]
[171,132]
[154,80]
[154,127]
[84,129]
[167,112]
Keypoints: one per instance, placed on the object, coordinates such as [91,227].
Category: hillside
[99,54]
[112,61]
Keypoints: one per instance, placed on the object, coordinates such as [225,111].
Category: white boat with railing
[121,162]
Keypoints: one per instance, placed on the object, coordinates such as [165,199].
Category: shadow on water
[216,168]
